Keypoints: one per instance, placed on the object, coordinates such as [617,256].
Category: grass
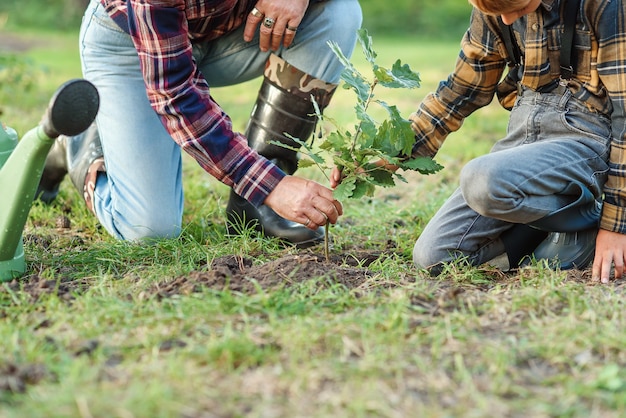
[88,332]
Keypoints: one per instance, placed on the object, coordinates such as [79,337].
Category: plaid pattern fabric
[162,31]
[206,19]
[479,76]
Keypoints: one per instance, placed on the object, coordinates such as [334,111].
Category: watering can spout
[71,110]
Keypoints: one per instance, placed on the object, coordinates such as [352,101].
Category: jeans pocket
[588,125]
[100,16]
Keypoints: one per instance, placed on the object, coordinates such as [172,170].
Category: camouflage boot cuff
[295,81]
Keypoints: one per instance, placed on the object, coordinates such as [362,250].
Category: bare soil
[247,275]
[242,275]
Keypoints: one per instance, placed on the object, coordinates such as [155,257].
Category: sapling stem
[326,242]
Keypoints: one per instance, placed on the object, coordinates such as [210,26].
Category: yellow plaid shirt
[479,76]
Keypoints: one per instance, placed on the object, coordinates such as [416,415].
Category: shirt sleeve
[611,64]
[472,85]
[180,96]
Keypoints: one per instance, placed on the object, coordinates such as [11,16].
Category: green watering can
[71,110]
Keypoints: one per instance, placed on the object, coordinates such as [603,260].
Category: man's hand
[304,201]
[610,251]
[278,21]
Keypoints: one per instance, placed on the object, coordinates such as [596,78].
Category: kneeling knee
[149,229]
[428,257]
[483,189]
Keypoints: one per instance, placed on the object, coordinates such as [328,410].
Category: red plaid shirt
[163,32]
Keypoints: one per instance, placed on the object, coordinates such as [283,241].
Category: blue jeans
[552,141]
[141,195]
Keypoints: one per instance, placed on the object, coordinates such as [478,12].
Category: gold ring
[292,28]
[257,13]
[268,22]
[323,214]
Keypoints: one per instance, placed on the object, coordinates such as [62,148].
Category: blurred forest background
[443,19]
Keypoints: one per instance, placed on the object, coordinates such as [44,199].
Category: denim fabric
[553,141]
[141,195]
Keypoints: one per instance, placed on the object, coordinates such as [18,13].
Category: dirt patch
[36,286]
[15,378]
[241,274]
[249,275]
[245,274]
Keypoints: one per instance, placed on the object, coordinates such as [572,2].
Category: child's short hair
[497,7]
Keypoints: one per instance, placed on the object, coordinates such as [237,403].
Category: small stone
[63,222]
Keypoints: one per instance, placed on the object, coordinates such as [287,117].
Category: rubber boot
[283,109]
[573,230]
[69,154]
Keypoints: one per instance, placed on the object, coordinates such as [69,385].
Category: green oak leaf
[335,141]
[334,46]
[367,44]
[383,75]
[345,189]
[305,163]
[363,188]
[424,165]
[401,76]
[381,177]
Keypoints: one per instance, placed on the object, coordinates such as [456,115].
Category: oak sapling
[357,151]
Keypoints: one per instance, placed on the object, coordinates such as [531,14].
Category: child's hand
[335,177]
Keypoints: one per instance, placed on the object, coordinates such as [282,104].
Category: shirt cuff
[613,218]
[259,181]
